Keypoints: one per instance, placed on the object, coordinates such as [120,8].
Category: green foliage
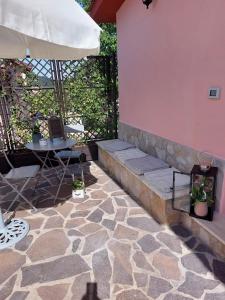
[85,4]
[30,102]
[108,39]
[108,35]
[199,193]
[36,128]
[86,98]
[77,184]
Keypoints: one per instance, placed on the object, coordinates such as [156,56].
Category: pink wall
[169,56]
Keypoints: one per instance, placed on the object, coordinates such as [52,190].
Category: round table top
[68,143]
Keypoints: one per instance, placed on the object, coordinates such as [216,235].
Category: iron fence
[83,91]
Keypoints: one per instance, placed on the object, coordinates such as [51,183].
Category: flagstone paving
[107,238]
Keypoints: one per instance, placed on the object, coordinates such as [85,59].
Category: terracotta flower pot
[201,209]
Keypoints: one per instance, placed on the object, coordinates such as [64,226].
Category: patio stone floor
[107,238]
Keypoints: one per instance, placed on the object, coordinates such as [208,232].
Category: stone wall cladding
[179,156]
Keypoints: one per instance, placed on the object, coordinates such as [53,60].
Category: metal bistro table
[36,148]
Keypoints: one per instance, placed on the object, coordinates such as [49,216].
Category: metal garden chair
[22,174]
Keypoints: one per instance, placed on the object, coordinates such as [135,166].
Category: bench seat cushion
[129,154]
[162,180]
[114,145]
[145,164]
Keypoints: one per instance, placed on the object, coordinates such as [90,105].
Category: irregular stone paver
[24,244]
[103,179]
[195,285]
[176,297]
[55,292]
[49,244]
[35,223]
[111,187]
[213,296]
[101,266]
[122,232]
[196,262]
[90,228]
[141,261]
[6,289]
[191,243]
[75,222]
[102,271]
[98,195]
[73,232]
[76,244]
[117,288]
[10,262]
[60,268]
[137,211]
[79,286]
[181,231]
[64,209]
[120,214]
[144,223]
[49,212]
[148,243]
[88,204]
[131,294]
[96,216]
[81,213]
[131,202]
[19,296]
[95,241]
[219,270]
[122,269]
[167,265]
[112,248]
[54,222]
[141,279]
[107,206]
[158,286]
[170,241]
[110,224]
[120,201]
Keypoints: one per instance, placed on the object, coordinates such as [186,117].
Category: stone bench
[146,178]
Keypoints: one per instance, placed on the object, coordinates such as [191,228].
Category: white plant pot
[78,194]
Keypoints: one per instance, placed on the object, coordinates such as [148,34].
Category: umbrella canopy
[47,29]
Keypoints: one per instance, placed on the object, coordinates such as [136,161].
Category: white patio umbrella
[49,29]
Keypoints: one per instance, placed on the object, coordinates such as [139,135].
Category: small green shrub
[77,184]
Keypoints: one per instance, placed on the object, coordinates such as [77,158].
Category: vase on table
[36,137]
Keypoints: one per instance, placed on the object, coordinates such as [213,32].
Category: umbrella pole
[2,223]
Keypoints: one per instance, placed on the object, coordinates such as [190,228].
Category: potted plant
[78,189]
[201,198]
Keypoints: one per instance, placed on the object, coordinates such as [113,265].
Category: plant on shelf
[77,188]
[201,197]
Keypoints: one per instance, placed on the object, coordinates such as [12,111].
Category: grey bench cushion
[145,164]
[162,180]
[114,145]
[129,154]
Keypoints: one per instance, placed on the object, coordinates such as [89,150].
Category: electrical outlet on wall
[214,93]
